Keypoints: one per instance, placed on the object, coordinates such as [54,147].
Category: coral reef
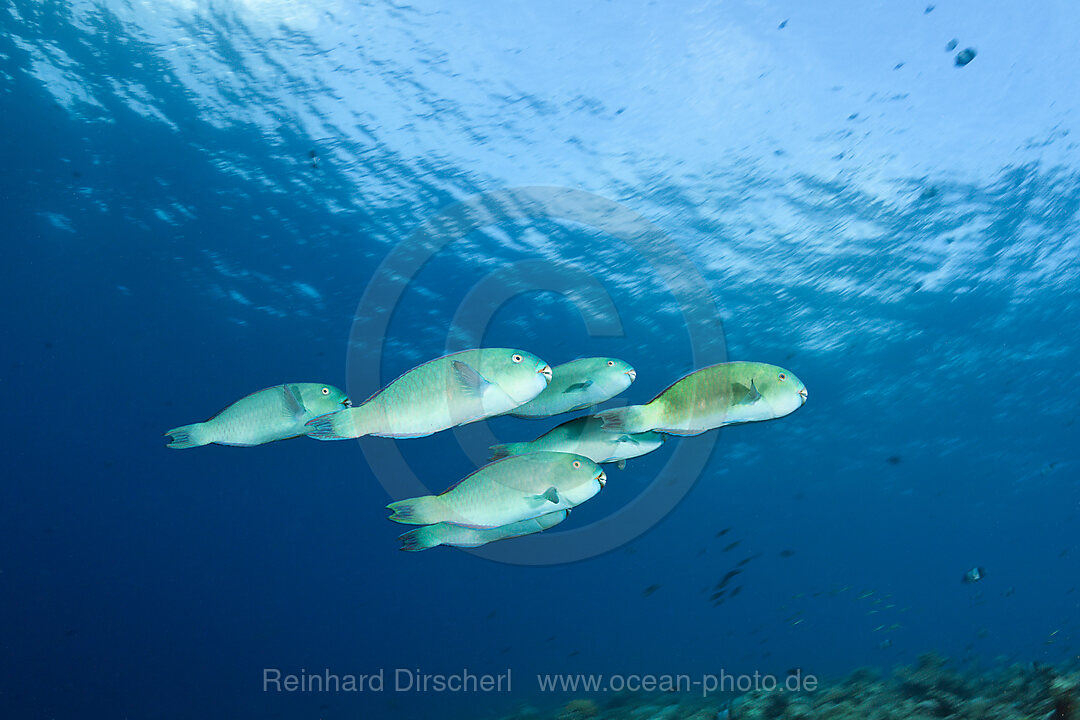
[580,709]
[930,689]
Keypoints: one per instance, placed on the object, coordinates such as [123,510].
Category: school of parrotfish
[529,486]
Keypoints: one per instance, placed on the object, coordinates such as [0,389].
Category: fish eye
[577,464]
[517,358]
[782,377]
[611,363]
[326,391]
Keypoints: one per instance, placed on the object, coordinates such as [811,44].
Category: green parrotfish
[579,384]
[507,491]
[275,413]
[441,394]
[586,436]
[724,394]
[430,536]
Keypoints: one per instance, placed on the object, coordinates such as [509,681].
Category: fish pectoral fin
[551,495]
[472,383]
[578,387]
[745,395]
[621,464]
[294,405]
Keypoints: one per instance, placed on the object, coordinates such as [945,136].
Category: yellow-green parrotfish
[430,536]
[507,491]
[441,394]
[275,413]
[586,436]
[579,384]
[724,394]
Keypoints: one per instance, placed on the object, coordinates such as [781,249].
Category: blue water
[900,232]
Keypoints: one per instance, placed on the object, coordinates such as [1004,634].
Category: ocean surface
[203,199]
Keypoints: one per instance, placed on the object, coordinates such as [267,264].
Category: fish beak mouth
[546,372]
[632,373]
[347,402]
[602,479]
[802,394]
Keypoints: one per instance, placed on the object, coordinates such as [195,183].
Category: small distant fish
[731,546]
[649,590]
[574,653]
[736,591]
[746,560]
[951,45]
[722,533]
[865,594]
[973,575]
[894,459]
[724,580]
[314,157]
[786,553]
[782,25]
[885,644]
[929,9]
[965,56]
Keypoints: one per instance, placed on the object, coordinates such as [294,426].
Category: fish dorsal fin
[578,387]
[745,395]
[551,495]
[294,404]
[471,383]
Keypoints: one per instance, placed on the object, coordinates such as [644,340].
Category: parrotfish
[429,536]
[724,394]
[507,491]
[585,436]
[441,394]
[272,414]
[579,384]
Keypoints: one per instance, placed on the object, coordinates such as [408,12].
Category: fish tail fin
[631,420]
[189,436]
[425,510]
[421,538]
[498,452]
[339,425]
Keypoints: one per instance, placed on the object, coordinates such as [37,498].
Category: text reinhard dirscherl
[413,680]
